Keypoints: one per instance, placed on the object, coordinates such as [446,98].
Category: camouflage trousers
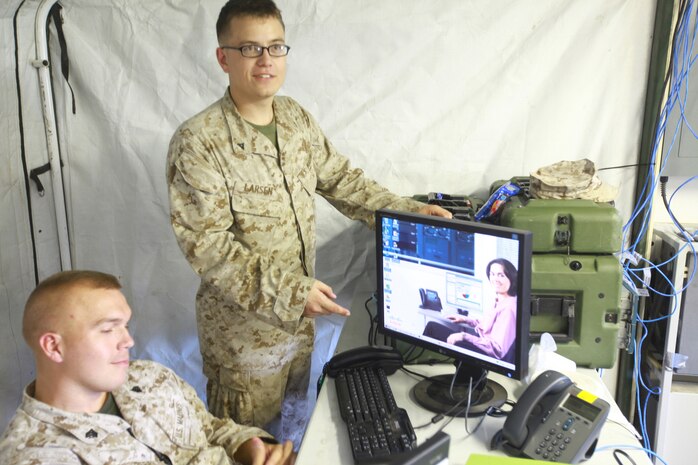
[274,399]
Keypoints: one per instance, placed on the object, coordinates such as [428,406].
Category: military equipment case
[566,226]
[576,281]
[576,298]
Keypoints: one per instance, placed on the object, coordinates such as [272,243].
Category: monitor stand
[435,393]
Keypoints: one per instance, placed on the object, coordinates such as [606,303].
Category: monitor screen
[458,288]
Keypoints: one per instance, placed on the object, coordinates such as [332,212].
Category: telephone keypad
[553,443]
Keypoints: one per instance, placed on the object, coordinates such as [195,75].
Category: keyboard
[378,429]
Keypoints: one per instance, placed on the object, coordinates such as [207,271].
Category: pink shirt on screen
[497,328]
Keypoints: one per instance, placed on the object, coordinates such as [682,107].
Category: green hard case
[576,298]
[576,280]
[566,226]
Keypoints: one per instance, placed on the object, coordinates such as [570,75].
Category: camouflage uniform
[244,216]
[160,413]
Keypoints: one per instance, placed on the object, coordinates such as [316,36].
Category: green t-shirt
[269,131]
[110,406]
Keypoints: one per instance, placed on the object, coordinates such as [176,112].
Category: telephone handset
[554,420]
[386,357]
[430,299]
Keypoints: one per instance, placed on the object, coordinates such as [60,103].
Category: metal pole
[42,64]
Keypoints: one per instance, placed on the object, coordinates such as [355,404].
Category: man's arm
[243,443]
[348,189]
[44,456]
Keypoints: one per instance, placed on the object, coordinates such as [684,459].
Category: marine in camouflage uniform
[161,419]
[244,216]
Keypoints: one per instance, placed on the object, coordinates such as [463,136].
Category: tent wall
[16,260]
[442,96]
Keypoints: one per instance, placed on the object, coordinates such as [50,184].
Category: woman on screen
[494,333]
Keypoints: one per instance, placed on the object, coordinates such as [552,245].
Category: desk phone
[554,420]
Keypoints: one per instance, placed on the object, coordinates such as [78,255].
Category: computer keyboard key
[346,407]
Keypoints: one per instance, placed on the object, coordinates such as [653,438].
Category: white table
[326,440]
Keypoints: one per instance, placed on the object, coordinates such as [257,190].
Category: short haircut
[509,271]
[53,291]
[251,8]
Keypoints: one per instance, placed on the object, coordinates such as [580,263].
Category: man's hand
[435,210]
[321,302]
[256,452]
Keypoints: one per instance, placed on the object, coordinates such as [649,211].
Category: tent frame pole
[42,64]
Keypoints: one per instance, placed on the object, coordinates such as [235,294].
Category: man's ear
[222,59]
[51,345]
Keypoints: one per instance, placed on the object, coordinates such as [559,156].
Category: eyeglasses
[254,51]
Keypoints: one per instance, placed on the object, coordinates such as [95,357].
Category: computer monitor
[461,289]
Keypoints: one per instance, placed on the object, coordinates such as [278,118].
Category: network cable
[681,61]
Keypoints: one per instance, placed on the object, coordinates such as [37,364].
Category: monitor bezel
[523,310]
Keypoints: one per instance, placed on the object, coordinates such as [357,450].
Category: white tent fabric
[442,96]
